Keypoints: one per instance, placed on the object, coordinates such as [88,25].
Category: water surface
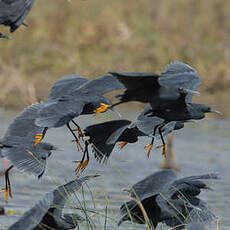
[199,148]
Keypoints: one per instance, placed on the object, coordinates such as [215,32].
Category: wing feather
[66,85]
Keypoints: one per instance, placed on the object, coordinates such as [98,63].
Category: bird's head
[48,146]
[206,109]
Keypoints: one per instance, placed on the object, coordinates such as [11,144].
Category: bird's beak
[192,121]
[93,176]
[58,149]
[216,111]
[126,190]
[115,111]
[192,92]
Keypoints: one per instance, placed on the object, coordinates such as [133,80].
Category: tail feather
[100,134]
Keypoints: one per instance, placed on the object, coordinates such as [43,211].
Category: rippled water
[203,147]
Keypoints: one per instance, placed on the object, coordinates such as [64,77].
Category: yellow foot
[6,194]
[163,149]
[80,133]
[10,192]
[38,138]
[149,146]
[78,167]
[122,144]
[82,166]
[79,147]
[102,108]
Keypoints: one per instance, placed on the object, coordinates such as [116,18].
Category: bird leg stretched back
[39,136]
[123,144]
[7,190]
[80,133]
[79,147]
[103,108]
[83,163]
[163,146]
[150,146]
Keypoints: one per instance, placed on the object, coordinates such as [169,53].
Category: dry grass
[94,36]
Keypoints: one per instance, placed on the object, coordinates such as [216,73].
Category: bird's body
[14,12]
[104,136]
[176,111]
[180,112]
[99,134]
[158,89]
[82,99]
[18,145]
[168,94]
[168,199]
[73,96]
[47,213]
[59,112]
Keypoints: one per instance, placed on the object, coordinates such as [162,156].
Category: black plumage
[179,110]
[158,89]
[168,199]
[47,213]
[78,97]
[18,144]
[73,96]
[169,95]
[104,136]
[13,13]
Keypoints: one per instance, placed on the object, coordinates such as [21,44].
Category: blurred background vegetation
[93,37]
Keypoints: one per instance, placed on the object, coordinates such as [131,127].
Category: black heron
[13,13]
[104,136]
[47,213]
[157,89]
[18,145]
[74,96]
[167,199]
[179,110]
[162,90]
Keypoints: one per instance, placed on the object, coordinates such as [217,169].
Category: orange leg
[79,146]
[76,139]
[7,190]
[163,142]
[163,149]
[80,133]
[83,163]
[39,136]
[123,144]
[149,146]
[82,166]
